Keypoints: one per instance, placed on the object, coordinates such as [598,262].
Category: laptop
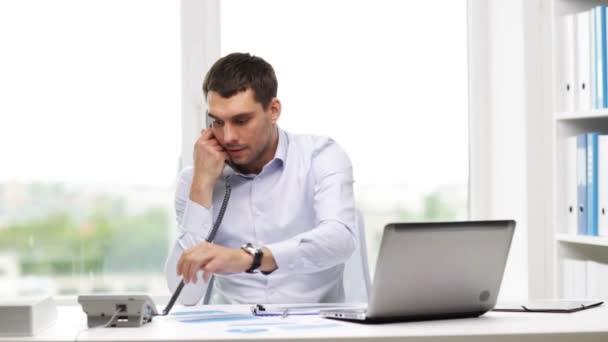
[435,270]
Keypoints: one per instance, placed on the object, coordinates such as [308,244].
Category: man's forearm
[201,191]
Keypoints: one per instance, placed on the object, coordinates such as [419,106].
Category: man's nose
[230,135]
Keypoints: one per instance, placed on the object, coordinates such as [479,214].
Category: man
[291,200]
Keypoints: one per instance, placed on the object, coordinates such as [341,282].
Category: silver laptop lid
[439,267]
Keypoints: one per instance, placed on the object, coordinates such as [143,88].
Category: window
[90,143]
[386,79]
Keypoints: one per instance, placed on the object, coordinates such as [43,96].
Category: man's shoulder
[309,142]
[318,147]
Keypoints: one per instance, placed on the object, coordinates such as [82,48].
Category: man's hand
[209,159]
[211,258]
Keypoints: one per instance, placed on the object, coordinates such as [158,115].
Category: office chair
[356,278]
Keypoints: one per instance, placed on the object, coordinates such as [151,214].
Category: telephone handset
[227,161]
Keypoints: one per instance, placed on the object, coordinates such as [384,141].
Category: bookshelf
[582,240]
[577,261]
[581,115]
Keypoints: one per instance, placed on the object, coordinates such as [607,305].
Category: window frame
[200,38]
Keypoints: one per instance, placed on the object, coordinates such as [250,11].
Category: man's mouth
[235,151]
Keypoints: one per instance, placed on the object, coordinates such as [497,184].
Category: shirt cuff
[197,219]
[285,255]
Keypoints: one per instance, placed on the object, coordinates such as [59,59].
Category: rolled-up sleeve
[193,220]
[194,223]
[333,239]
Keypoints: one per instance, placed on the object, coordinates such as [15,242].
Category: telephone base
[116,311]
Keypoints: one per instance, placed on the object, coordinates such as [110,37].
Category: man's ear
[275,110]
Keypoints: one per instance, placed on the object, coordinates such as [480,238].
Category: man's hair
[238,72]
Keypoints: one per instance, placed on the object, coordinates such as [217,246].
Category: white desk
[588,325]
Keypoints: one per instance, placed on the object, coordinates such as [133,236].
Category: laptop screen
[440,267]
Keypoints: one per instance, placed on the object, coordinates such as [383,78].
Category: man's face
[243,128]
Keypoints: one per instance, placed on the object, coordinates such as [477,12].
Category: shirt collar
[281,152]
[280,156]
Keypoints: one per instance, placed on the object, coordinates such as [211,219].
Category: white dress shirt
[300,206]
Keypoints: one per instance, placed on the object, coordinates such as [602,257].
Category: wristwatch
[257,254]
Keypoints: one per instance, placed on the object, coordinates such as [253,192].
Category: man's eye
[241,121]
[217,123]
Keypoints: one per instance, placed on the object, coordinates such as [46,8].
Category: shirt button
[291,266]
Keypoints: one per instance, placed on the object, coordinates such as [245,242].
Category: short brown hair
[238,72]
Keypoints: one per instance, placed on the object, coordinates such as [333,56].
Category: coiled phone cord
[209,238]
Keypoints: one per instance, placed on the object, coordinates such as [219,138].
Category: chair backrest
[357,280]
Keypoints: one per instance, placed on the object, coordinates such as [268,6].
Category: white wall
[538,101]
[498,128]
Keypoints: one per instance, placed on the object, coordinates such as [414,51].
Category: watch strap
[257,254]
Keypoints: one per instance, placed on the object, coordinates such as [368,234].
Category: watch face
[257,254]
[251,250]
